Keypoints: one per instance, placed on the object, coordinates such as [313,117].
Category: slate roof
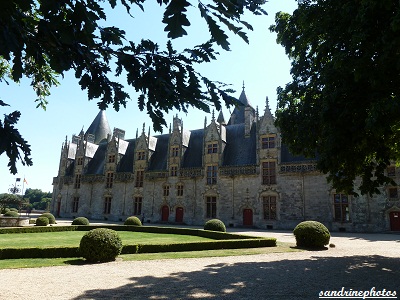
[239,150]
[193,157]
[158,160]
[99,127]
[97,163]
[237,116]
[126,162]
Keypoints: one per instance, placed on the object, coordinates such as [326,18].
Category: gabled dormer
[268,145]
[145,146]
[67,158]
[177,146]
[214,140]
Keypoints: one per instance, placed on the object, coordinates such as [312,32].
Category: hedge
[222,241]
[58,252]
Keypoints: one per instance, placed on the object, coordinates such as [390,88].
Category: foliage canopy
[342,105]
[42,39]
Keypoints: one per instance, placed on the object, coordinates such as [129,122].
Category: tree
[40,39]
[343,104]
[11,200]
[37,198]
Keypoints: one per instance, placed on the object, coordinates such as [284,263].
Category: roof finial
[267,103]
[243,85]
[143,128]
[213,116]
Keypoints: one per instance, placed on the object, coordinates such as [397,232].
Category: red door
[247,217]
[164,213]
[394,220]
[179,215]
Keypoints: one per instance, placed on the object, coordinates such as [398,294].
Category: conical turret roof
[237,116]
[99,127]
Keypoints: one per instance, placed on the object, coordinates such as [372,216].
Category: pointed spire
[144,125]
[267,108]
[99,128]
[238,115]
[221,118]
[82,132]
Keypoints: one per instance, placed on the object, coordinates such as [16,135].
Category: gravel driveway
[358,262]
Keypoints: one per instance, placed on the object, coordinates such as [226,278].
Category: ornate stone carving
[298,168]
[191,172]
[238,170]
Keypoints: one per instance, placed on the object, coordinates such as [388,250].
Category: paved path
[358,262]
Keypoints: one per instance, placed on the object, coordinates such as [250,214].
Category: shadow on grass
[284,279]
[75,262]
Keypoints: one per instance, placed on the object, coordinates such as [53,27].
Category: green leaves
[343,101]
[43,39]
[11,141]
[175,18]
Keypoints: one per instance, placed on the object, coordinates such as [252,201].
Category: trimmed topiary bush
[11,213]
[52,219]
[133,221]
[13,209]
[80,221]
[100,245]
[42,221]
[4,210]
[215,225]
[311,234]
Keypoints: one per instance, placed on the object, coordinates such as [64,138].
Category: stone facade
[238,172]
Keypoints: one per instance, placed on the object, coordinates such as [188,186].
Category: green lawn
[47,262]
[72,238]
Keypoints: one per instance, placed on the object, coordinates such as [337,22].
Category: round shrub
[13,209]
[80,221]
[100,245]
[11,213]
[52,219]
[215,225]
[311,234]
[133,221]
[42,221]
[4,210]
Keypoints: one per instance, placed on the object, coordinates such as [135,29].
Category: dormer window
[212,148]
[141,155]
[111,158]
[175,151]
[268,142]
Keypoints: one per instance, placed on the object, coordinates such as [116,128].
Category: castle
[238,172]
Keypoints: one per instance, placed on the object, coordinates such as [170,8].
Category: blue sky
[262,65]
